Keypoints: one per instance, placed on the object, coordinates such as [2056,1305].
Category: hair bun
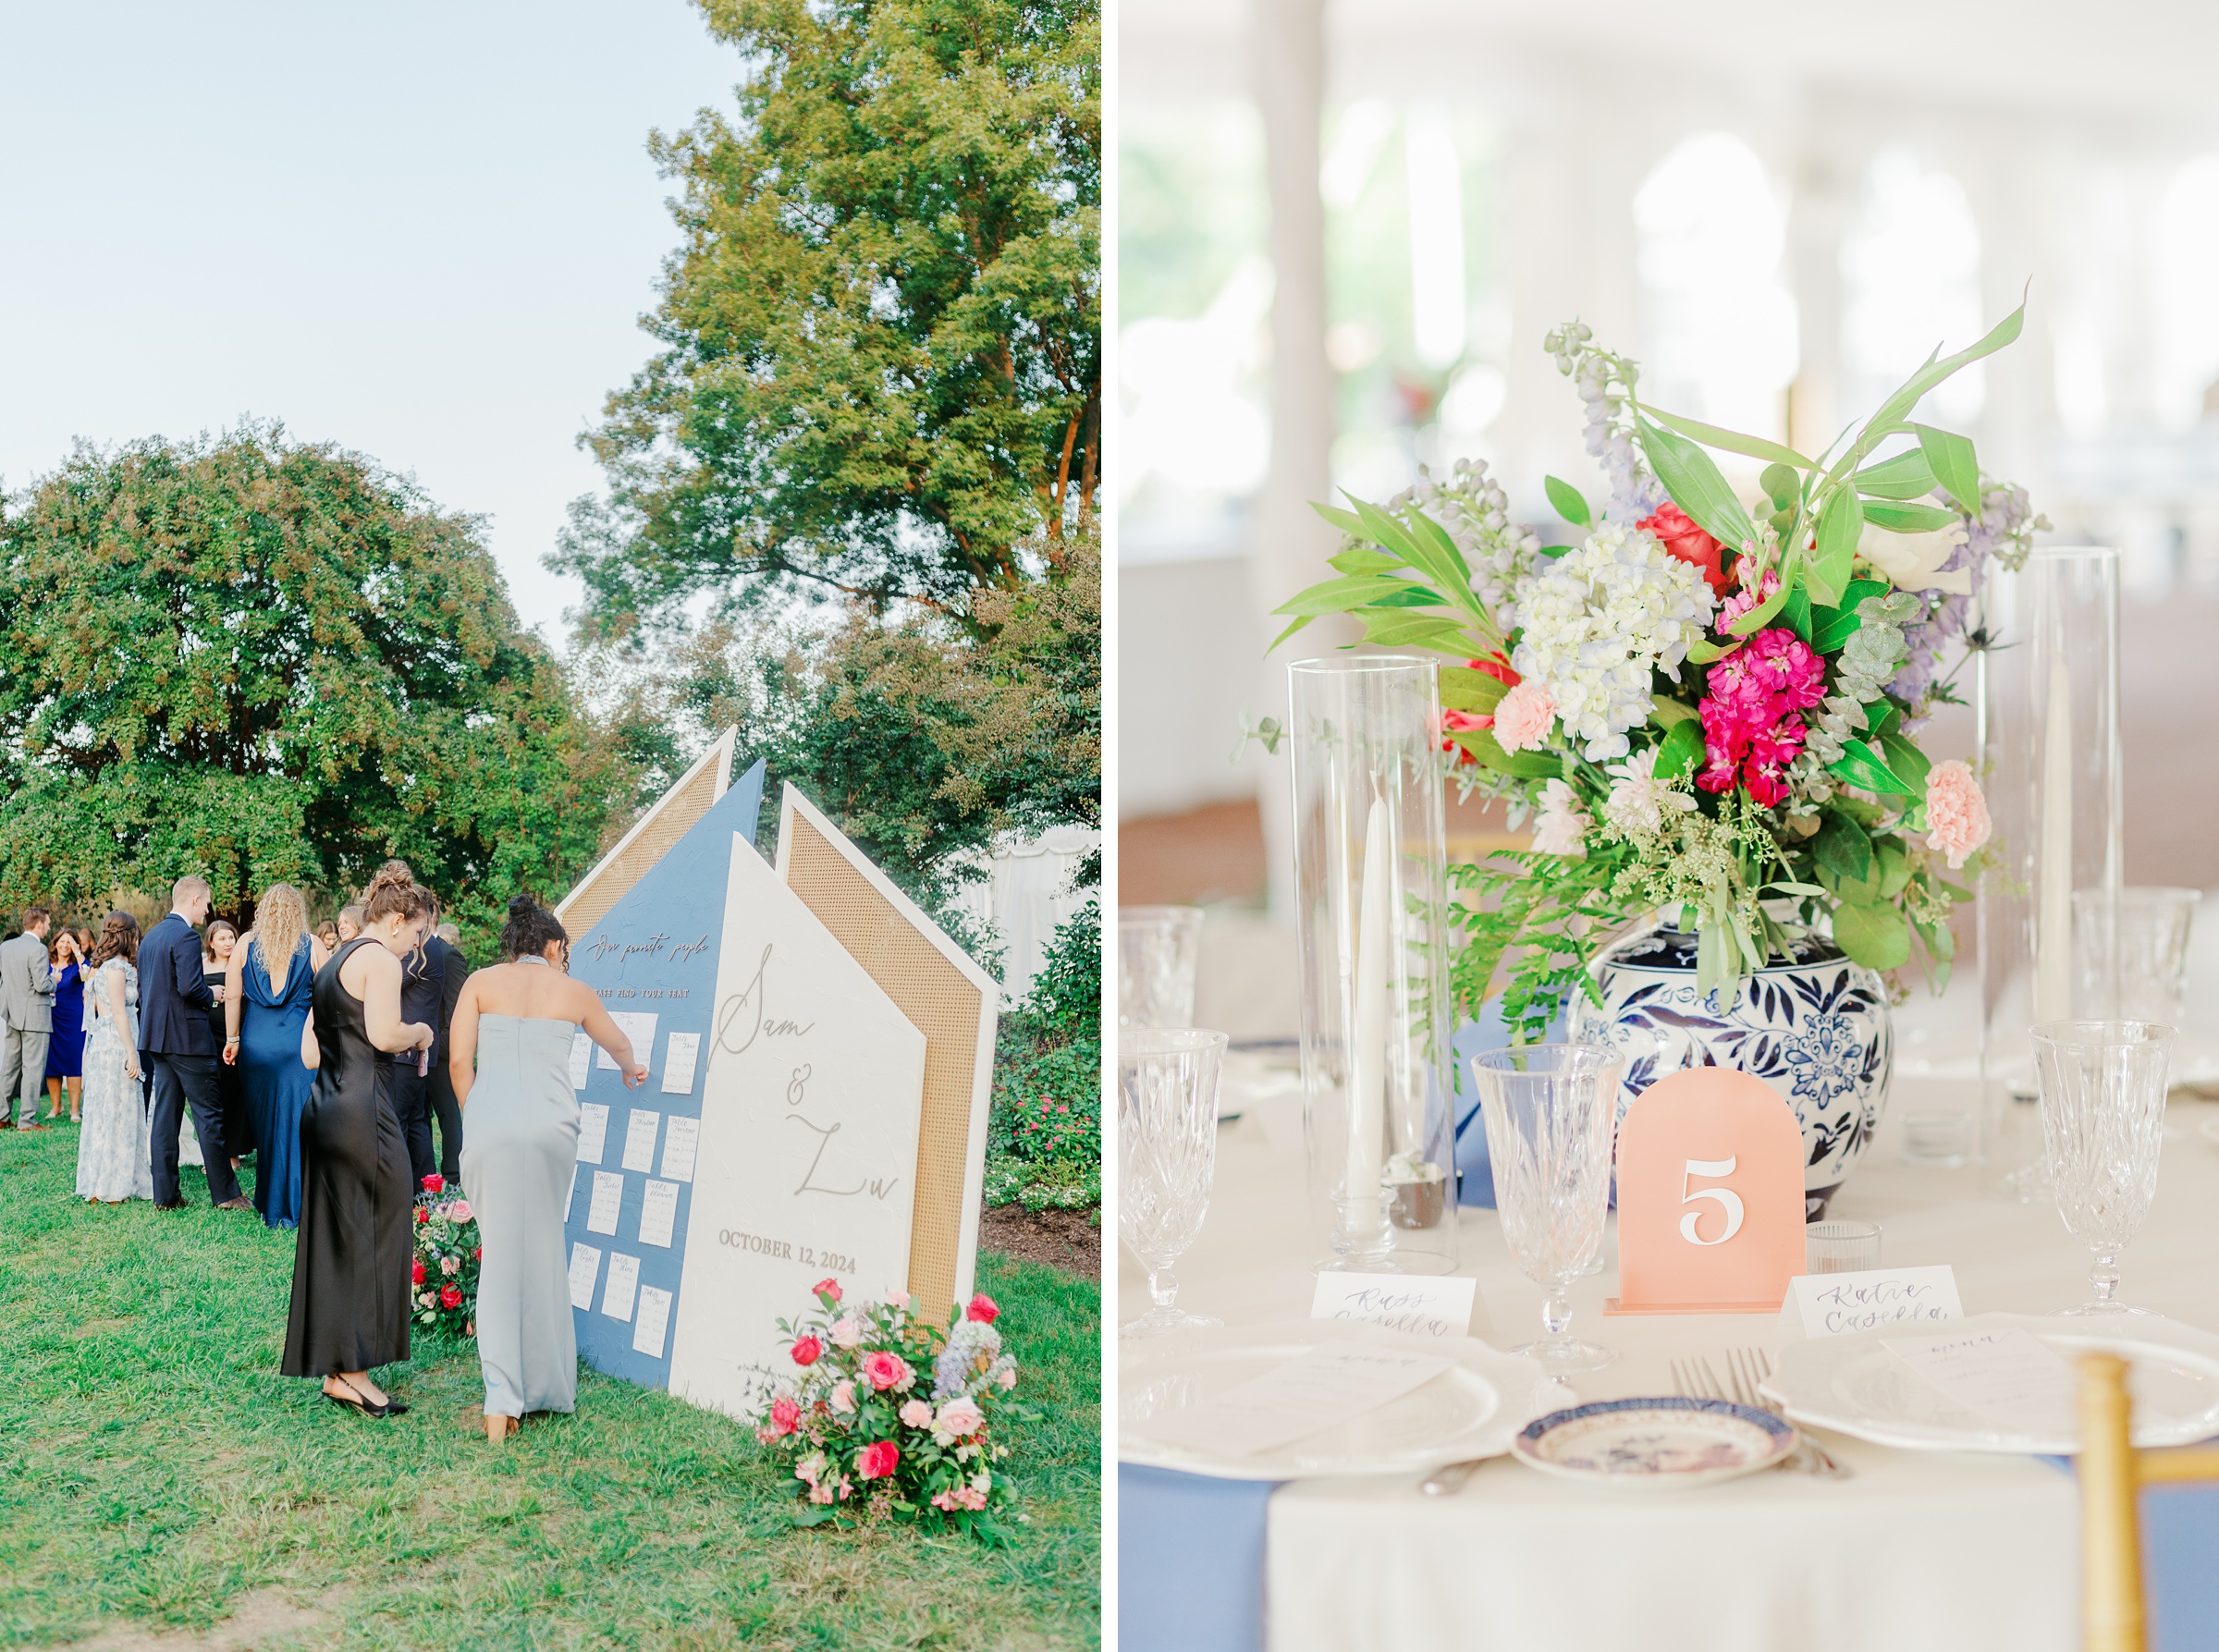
[521,904]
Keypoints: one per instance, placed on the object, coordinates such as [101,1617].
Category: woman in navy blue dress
[265,1017]
[65,1051]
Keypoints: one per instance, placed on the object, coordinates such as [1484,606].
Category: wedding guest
[266,1021]
[217,945]
[352,1255]
[450,934]
[180,1047]
[113,1162]
[510,1060]
[27,1001]
[328,932]
[455,970]
[422,992]
[65,1046]
[349,925]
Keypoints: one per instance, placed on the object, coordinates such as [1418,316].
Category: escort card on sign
[805,1165]
[1710,1196]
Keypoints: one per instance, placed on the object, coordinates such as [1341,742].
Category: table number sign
[1710,1196]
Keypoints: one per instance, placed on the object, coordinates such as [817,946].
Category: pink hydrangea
[1956,812]
[1523,716]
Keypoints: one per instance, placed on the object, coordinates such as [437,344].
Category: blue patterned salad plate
[1654,1444]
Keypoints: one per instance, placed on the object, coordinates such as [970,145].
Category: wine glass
[2103,1087]
[1552,1110]
[1166,1151]
[1157,947]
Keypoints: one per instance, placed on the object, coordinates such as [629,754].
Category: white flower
[1598,621]
[1639,801]
[1915,561]
[1560,824]
[1473,508]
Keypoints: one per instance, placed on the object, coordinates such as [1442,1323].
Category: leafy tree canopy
[261,660]
[880,365]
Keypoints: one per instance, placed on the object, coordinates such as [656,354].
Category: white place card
[1841,1304]
[679,1142]
[1326,1386]
[678,1062]
[623,1280]
[2004,1374]
[581,1060]
[608,1198]
[639,1139]
[659,1213]
[654,1320]
[637,1027]
[585,1268]
[593,1132]
[1426,1307]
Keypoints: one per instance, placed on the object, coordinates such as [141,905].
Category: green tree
[258,659]
[881,367]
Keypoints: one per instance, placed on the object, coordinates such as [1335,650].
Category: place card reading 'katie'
[1324,1387]
[2006,1376]
[1423,1307]
[1841,1304]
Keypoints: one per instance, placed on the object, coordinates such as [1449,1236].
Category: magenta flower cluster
[1753,715]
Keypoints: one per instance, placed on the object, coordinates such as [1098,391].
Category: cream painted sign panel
[813,1085]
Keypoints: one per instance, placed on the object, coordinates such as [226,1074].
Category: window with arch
[2187,357]
[1721,326]
[1910,280]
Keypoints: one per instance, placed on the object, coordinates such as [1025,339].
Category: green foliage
[1045,1140]
[880,368]
[261,660]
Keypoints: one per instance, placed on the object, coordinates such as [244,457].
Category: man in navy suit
[173,1000]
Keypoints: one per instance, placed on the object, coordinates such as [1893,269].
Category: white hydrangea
[1471,505]
[1598,621]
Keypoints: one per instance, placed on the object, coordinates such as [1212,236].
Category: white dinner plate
[1654,1444]
[1857,1387]
[1472,1409]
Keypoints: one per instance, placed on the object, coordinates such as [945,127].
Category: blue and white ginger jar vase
[1814,1027]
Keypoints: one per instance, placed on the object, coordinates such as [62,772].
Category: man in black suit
[180,1050]
[424,997]
[454,970]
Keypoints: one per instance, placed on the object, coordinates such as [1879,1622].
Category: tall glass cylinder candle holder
[2048,700]
[1372,882]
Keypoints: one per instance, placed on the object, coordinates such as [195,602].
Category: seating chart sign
[812,1088]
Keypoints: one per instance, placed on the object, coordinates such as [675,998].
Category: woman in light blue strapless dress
[510,1058]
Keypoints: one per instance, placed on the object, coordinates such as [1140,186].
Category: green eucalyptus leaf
[1567,501]
[1874,935]
[1908,517]
[1680,748]
[1907,475]
[1692,478]
[1732,441]
[1954,466]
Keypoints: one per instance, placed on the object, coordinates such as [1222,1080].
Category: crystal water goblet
[1551,1113]
[1167,1153]
[2103,1085]
[1157,947]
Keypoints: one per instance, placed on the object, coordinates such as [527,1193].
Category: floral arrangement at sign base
[1710,710]
[885,1415]
[444,1277]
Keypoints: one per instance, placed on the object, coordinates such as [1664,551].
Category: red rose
[1680,537]
[422,1216]
[828,1289]
[876,1461]
[982,1309]
[1497,667]
[416,1272]
[435,1184]
[477,1254]
[449,1297]
[806,1350]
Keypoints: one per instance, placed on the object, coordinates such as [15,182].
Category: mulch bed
[1071,1240]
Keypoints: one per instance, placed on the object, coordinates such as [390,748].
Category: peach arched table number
[1710,1196]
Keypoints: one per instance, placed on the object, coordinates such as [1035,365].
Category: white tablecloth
[1955,1553]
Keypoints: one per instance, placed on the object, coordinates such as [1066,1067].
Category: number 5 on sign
[1710,1196]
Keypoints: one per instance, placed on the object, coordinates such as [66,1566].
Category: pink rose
[897,1298]
[877,1461]
[1956,813]
[843,1397]
[459,1211]
[785,1415]
[826,1288]
[806,1350]
[884,1371]
[450,1265]
[1523,716]
[917,1413]
[1676,531]
[847,1330]
[959,1419]
[982,1309]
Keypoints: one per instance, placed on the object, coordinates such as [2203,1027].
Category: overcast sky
[424,231]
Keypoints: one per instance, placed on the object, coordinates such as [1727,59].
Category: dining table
[1953,1549]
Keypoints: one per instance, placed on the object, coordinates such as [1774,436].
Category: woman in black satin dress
[351,1258]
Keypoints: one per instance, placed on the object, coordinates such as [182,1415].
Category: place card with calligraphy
[1436,1306]
[1710,1196]
[1841,1304]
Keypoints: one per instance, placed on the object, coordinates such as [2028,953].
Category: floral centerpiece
[884,1414]
[444,1277]
[1706,709]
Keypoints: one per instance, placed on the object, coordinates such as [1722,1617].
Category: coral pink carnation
[1956,813]
[1523,715]
[785,1415]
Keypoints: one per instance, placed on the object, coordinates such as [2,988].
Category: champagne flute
[2103,1086]
[1167,1146]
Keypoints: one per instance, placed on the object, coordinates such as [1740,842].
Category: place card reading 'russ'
[1423,1307]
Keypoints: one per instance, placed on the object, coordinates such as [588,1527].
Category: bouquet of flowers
[886,1413]
[1706,709]
[444,1275]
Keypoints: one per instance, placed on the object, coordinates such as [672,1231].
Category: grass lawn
[156,1473]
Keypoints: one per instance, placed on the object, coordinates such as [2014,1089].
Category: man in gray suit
[27,993]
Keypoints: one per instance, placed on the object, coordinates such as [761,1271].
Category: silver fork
[1746,1368]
